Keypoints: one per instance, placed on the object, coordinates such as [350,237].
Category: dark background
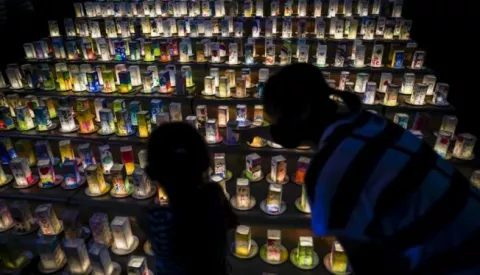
[445,29]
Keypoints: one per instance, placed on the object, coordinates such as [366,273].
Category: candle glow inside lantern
[47,220]
[67,122]
[187,74]
[302,203]
[211,131]
[101,260]
[106,158]
[242,199]
[96,181]
[6,220]
[125,82]
[302,166]
[408,84]
[258,115]
[144,125]
[100,229]
[29,51]
[93,82]
[123,239]
[128,159]
[164,82]
[304,252]
[137,265]
[243,241]
[175,111]
[418,60]
[397,60]
[162,118]
[3,177]
[419,94]
[442,143]
[135,75]
[430,80]
[449,124]
[24,149]
[124,125]
[24,118]
[162,197]
[142,185]
[377,55]
[14,77]
[401,119]
[135,107]
[51,105]
[42,117]
[22,173]
[71,175]
[223,116]
[52,256]
[6,120]
[440,95]
[41,49]
[337,260]
[241,116]
[66,151]
[321,55]
[85,120]
[369,95]
[120,182]
[209,88]
[48,178]
[391,95]
[464,146]
[274,204]
[86,155]
[108,82]
[361,82]
[385,80]
[220,168]
[278,172]
[202,114]
[78,81]
[155,108]
[72,225]
[275,252]
[13,101]
[77,256]
[253,167]
[22,217]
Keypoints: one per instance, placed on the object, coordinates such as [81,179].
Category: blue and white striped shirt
[373,182]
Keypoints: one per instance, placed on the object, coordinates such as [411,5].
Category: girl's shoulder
[159,213]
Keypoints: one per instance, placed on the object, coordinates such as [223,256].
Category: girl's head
[177,154]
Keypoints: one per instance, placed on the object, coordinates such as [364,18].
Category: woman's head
[177,153]
[298,101]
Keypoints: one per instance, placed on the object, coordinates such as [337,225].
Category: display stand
[285,51]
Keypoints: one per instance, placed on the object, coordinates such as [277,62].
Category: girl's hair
[177,152]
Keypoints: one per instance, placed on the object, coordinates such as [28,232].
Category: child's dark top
[192,239]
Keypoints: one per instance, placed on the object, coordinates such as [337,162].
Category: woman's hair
[303,86]
[177,152]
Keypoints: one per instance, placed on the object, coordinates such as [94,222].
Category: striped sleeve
[329,166]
